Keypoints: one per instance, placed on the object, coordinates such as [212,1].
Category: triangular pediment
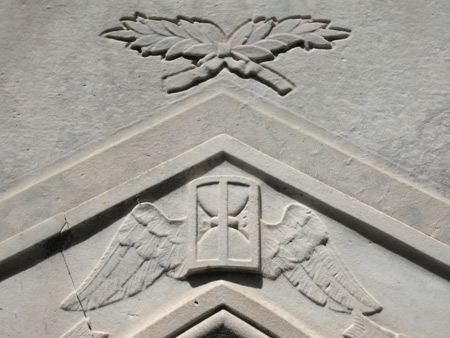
[222,109]
[312,192]
[238,170]
[299,173]
[221,160]
[222,307]
[89,217]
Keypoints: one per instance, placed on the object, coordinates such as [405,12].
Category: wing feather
[305,285]
[340,272]
[129,231]
[112,288]
[298,248]
[319,273]
[145,247]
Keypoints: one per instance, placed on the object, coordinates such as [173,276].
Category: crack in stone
[66,224]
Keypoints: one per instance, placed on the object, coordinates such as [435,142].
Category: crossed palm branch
[210,50]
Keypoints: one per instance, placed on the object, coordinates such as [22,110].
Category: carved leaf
[240,36]
[146,40]
[213,33]
[307,27]
[272,45]
[260,31]
[138,27]
[146,246]
[202,31]
[164,45]
[177,49]
[287,38]
[175,29]
[300,242]
[200,50]
[286,25]
[332,34]
[316,41]
[283,35]
[151,36]
[122,35]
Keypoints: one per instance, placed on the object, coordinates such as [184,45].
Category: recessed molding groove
[223,295]
[306,148]
[397,235]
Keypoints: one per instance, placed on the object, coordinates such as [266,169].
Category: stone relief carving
[223,231]
[223,324]
[210,50]
[222,304]
[223,224]
[297,247]
[364,328]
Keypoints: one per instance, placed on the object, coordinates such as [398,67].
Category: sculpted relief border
[215,300]
[223,229]
[295,247]
[367,220]
[157,239]
[198,113]
[220,296]
[149,245]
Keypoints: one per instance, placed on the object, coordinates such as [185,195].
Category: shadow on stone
[253,280]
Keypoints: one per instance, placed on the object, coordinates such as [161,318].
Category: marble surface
[384,90]
[175,169]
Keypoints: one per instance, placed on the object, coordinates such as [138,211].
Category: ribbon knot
[224,49]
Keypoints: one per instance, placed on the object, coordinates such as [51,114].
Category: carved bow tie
[211,50]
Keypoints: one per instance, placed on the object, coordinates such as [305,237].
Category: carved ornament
[242,52]
[223,231]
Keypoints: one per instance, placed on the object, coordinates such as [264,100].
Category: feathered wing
[297,247]
[146,246]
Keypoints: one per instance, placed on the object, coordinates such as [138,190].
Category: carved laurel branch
[210,50]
